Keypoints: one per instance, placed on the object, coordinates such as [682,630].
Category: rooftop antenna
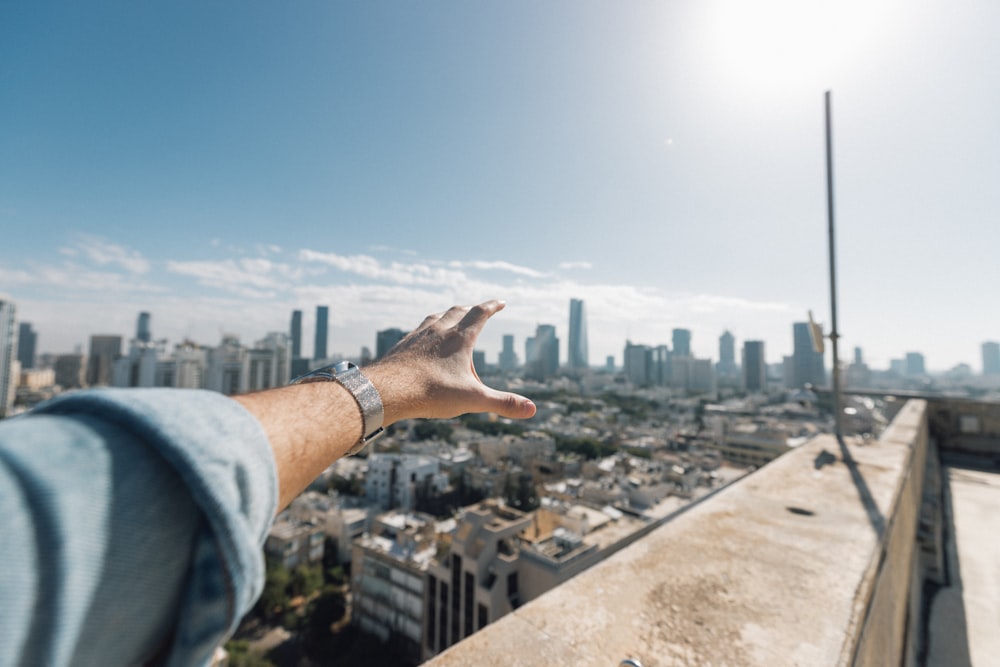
[834,335]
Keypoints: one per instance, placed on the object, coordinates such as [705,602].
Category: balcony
[861,553]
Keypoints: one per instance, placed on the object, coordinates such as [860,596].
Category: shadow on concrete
[875,517]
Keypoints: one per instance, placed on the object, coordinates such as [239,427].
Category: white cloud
[255,278]
[395,272]
[497,266]
[104,253]
[569,266]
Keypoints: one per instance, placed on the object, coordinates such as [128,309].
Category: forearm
[428,374]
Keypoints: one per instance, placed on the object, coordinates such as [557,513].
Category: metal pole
[834,335]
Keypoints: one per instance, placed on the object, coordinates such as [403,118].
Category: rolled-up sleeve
[133,522]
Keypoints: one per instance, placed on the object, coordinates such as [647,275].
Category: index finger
[477,316]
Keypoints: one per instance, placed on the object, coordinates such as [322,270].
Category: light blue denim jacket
[131,527]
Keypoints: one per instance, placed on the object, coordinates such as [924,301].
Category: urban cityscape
[445,527]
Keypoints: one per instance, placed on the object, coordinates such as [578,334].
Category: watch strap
[369,401]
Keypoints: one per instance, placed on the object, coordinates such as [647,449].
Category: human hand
[430,373]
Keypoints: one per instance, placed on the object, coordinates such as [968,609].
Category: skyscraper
[8,356]
[578,357]
[386,339]
[142,331]
[319,348]
[754,366]
[991,358]
[638,364]
[296,334]
[807,362]
[103,352]
[508,358]
[682,342]
[542,353]
[915,364]
[26,342]
[727,367]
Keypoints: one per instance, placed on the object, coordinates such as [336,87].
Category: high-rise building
[542,353]
[69,371]
[508,358]
[638,364]
[578,357]
[8,356]
[727,367]
[228,367]
[858,356]
[991,358]
[104,349]
[915,364]
[682,342]
[296,331]
[386,339]
[754,366]
[27,339]
[142,329]
[269,362]
[807,362]
[319,348]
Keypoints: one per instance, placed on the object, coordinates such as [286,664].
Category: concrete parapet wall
[808,561]
[966,427]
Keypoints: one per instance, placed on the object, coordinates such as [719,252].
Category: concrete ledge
[782,568]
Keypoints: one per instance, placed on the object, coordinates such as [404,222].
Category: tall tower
[26,342]
[807,362]
[727,367]
[578,355]
[104,350]
[296,334]
[8,356]
[991,358]
[754,366]
[542,353]
[142,332]
[508,358]
[682,342]
[319,348]
[386,339]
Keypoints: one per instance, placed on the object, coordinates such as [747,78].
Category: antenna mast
[834,335]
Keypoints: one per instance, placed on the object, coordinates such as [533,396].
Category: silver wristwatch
[363,391]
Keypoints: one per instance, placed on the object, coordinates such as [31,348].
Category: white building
[397,480]
[228,367]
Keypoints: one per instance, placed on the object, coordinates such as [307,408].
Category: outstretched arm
[427,374]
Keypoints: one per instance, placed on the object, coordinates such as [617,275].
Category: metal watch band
[363,391]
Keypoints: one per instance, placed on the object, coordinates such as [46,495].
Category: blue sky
[220,164]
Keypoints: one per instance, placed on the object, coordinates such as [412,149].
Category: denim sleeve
[132,523]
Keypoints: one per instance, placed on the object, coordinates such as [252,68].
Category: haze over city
[221,165]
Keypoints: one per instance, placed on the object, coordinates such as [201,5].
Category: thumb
[507,404]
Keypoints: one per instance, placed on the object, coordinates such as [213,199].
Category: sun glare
[781,43]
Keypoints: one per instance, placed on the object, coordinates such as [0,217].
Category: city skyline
[391,162]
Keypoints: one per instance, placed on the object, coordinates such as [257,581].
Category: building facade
[807,362]
[8,356]
[754,366]
[577,356]
[991,358]
[27,339]
[104,351]
[322,333]
[386,339]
